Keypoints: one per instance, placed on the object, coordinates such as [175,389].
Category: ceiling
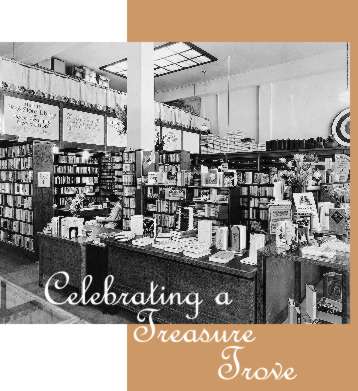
[243,57]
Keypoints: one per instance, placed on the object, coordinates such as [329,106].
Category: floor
[23,272]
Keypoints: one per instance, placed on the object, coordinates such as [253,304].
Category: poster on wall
[25,118]
[172,139]
[191,142]
[116,135]
[82,127]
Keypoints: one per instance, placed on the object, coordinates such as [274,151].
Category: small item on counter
[279,211]
[136,225]
[142,242]
[222,238]
[205,232]
[238,238]
[315,252]
[329,310]
[285,235]
[294,313]
[123,236]
[337,221]
[163,237]
[332,286]
[149,227]
[257,242]
[71,227]
[323,212]
[311,302]
[222,257]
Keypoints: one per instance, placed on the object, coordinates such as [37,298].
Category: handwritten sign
[82,127]
[116,136]
[25,118]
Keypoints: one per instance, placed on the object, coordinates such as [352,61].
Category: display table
[76,257]
[135,267]
[284,276]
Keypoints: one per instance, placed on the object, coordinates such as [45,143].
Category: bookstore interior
[227,169]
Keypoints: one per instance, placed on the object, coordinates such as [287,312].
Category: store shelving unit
[25,203]
[75,174]
[129,187]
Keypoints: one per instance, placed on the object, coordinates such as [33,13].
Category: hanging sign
[82,127]
[26,118]
[116,134]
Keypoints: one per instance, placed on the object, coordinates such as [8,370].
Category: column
[140,96]
[265,112]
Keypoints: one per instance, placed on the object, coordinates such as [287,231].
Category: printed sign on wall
[82,127]
[26,118]
[191,142]
[116,136]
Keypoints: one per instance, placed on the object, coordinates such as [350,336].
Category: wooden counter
[135,267]
[76,257]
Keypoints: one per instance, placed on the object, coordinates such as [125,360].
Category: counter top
[234,267]
[340,262]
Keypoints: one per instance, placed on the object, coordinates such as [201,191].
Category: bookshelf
[111,176]
[74,173]
[129,187]
[163,199]
[26,198]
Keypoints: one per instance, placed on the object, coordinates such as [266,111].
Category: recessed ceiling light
[168,58]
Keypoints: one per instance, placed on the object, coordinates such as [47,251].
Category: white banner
[82,127]
[26,118]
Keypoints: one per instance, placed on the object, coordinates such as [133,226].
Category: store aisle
[23,273]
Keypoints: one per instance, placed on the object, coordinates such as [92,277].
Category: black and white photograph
[174,182]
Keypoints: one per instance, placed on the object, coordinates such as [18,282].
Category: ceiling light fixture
[168,58]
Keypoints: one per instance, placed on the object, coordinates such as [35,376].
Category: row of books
[16,201]
[165,220]
[15,188]
[16,151]
[17,226]
[129,157]
[16,163]
[75,180]
[128,179]
[16,176]
[88,190]
[128,212]
[84,170]
[129,202]
[167,206]
[257,191]
[15,213]
[74,159]
[169,158]
[17,240]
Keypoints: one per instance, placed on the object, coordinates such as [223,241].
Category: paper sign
[43,179]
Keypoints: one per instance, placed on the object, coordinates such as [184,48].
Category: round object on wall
[341,128]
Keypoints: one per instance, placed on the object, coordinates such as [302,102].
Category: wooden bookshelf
[26,192]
